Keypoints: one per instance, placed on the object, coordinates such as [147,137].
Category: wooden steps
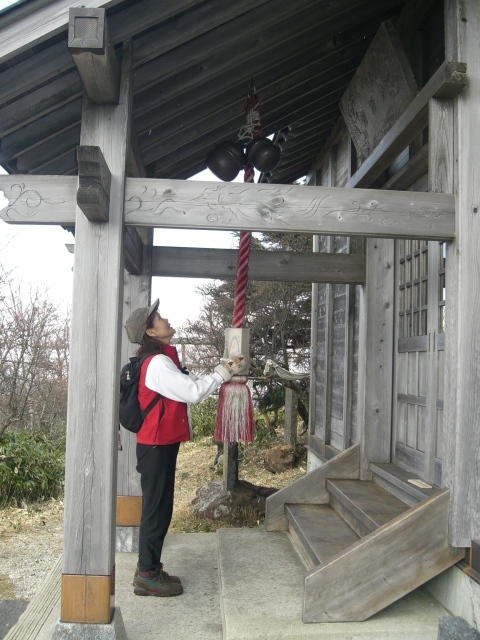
[364,505]
[366,543]
[314,543]
[401,483]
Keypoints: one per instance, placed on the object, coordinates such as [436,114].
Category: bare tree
[34,340]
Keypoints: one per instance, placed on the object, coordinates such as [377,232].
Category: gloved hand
[229,367]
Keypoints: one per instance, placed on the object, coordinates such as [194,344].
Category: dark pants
[156,465]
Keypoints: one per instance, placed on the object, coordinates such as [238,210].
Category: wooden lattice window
[413,288]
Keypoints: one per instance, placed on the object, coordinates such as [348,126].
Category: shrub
[203,418]
[32,468]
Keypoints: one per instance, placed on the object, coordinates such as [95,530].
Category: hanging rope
[235,420]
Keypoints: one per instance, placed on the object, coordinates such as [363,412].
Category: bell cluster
[228,158]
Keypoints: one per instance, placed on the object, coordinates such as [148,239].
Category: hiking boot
[153,583]
[159,569]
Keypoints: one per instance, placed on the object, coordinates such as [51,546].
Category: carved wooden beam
[288,208]
[275,266]
[180,204]
[94,54]
[94,178]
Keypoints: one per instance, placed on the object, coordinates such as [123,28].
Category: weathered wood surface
[92,419]
[327,321]
[94,180]
[248,207]
[462,349]
[363,504]
[291,416]
[311,489]
[136,293]
[46,199]
[376,354]
[381,89]
[414,169]
[447,82]
[389,563]
[280,266]
[326,210]
[94,55]
[25,29]
[320,530]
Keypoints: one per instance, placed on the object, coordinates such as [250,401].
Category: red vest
[167,422]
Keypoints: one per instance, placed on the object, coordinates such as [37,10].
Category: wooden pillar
[136,293]
[461,444]
[92,422]
[312,409]
[375,367]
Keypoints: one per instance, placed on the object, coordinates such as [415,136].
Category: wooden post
[129,493]
[375,367]
[92,423]
[291,416]
[461,445]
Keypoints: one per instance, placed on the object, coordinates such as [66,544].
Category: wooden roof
[193,64]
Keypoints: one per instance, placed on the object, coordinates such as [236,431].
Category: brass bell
[226,159]
[263,154]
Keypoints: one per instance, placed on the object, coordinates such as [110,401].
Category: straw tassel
[235,422]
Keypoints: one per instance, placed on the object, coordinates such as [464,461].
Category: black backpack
[131,416]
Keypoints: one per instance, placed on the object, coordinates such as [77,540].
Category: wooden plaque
[381,89]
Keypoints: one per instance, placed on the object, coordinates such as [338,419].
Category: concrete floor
[246,584]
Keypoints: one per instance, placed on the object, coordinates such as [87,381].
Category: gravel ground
[30,543]
[31,537]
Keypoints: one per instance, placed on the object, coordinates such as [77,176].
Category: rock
[246,504]
[456,628]
[284,457]
[280,458]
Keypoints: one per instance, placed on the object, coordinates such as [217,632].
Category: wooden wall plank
[92,420]
[461,471]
